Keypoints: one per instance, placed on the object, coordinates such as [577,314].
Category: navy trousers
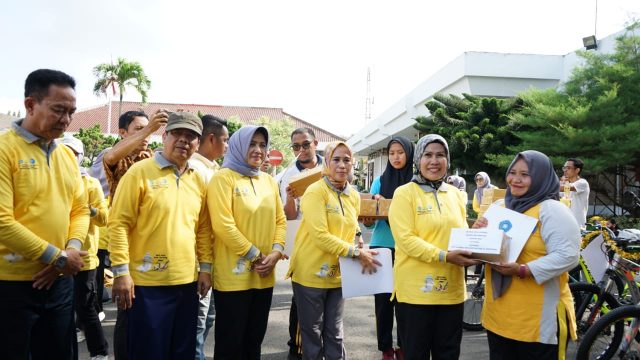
[162,322]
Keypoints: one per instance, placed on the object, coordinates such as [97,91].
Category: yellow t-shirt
[246,213]
[421,225]
[43,204]
[97,201]
[158,222]
[327,231]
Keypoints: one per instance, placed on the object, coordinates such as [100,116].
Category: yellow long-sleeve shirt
[98,218]
[421,225]
[158,223]
[43,205]
[248,219]
[328,228]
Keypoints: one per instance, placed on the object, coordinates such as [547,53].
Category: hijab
[391,177]
[544,186]
[480,189]
[236,156]
[417,155]
[544,182]
[458,181]
[328,154]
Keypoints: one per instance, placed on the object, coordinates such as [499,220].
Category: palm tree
[121,74]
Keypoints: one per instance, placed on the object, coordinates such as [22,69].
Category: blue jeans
[37,324]
[206,316]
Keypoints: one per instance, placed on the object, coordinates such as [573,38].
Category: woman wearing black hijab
[528,310]
[398,172]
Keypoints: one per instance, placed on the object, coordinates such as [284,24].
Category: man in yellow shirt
[43,222]
[159,231]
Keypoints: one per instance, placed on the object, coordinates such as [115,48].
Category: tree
[279,136]
[595,116]
[94,142]
[122,75]
[476,128]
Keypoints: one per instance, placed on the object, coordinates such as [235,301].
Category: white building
[475,73]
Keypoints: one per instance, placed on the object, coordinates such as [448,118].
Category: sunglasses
[296,147]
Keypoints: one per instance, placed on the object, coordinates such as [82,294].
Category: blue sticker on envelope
[505,225]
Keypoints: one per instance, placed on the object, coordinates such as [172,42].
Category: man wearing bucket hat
[85,280]
[159,230]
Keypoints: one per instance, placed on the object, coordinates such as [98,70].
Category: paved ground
[359,323]
[360,335]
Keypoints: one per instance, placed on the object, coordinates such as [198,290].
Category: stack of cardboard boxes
[489,196]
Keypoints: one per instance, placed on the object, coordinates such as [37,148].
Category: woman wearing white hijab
[528,308]
[249,228]
[482,182]
[429,280]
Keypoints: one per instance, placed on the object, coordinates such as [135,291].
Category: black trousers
[241,323]
[103,258]
[430,331]
[384,308]
[84,303]
[501,348]
[295,343]
[120,335]
[37,324]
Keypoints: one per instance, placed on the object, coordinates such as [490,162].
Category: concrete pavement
[359,323]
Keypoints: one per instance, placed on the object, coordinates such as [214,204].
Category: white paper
[483,241]
[355,283]
[595,258]
[292,230]
[517,226]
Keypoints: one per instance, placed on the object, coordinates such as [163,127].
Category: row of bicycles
[607,309]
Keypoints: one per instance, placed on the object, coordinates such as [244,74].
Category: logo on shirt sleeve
[13,258]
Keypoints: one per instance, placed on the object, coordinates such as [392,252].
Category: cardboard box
[368,208]
[489,245]
[383,207]
[299,183]
[491,195]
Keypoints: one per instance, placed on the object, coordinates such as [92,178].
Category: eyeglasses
[567,168]
[479,179]
[305,145]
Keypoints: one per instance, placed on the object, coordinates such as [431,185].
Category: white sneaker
[101,315]
[80,335]
[100,357]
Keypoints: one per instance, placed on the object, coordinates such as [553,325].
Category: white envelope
[355,283]
[517,226]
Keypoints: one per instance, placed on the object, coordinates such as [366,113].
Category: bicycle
[610,335]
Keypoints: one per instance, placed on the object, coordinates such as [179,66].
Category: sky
[308,57]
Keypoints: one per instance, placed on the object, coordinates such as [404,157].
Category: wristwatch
[61,261]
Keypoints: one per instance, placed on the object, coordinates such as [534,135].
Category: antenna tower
[369,100]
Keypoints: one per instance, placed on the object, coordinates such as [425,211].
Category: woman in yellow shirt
[329,225]
[428,279]
[249,229]
[482,182]
[528,308]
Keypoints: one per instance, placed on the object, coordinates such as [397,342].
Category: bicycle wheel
[603,339]
[589,306]
[473,309]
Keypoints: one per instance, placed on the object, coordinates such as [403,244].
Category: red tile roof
[87,118]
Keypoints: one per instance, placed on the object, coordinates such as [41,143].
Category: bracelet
[522,271]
